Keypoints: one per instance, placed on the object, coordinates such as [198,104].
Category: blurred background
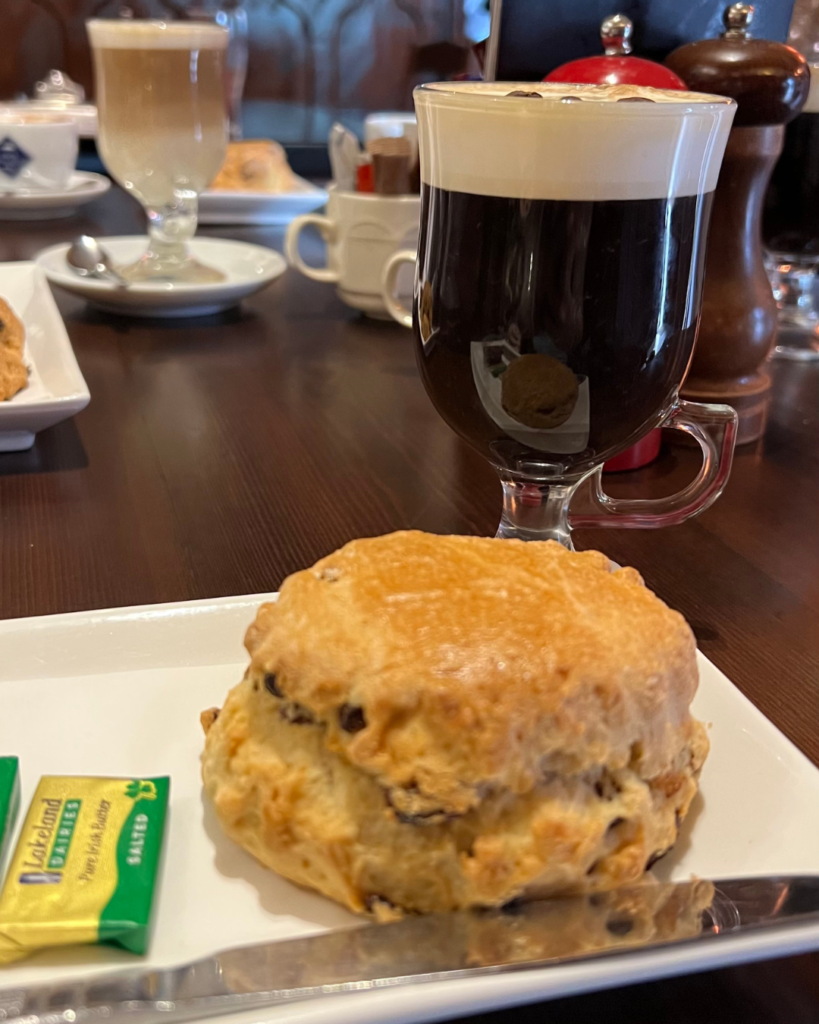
[313,62]
[310,62]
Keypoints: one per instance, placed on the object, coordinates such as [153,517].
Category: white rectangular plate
[225,206]
[55,389]
[119,692]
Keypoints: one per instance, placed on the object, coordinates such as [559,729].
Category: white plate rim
[77,397]
[310,191]
[124,629]
[92,185]
[85,286]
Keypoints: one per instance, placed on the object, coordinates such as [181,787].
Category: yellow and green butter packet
[85,865]
[9,804]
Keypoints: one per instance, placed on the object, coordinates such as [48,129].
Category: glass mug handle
[702,422]
[327,228]
[389,277]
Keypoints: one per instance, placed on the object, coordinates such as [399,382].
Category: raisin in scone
[430,723]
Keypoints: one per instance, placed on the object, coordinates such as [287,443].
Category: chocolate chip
[351,718]
[606,788]
[271,685]
[620,926]
[295,714]
[436,816]
[523,92]
[373,899]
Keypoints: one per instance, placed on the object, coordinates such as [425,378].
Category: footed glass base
[178,270]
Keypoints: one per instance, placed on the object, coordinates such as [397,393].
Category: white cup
[362,231]
[38,151]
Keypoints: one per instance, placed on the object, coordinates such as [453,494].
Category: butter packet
[85,865]
[9,804]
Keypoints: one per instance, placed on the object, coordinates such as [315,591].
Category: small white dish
[119,692]
[56,389]
[248,268]
[82,187]
[225,206]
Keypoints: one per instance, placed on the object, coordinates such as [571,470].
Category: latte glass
[558,285]
[163,129]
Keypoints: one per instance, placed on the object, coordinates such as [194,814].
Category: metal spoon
[87,258]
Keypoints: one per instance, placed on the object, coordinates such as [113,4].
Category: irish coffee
[560,265]
[161,101]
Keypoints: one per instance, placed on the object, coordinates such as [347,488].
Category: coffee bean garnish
[620,926]
[351,718]
[271,685]
[295,714]
[523,92]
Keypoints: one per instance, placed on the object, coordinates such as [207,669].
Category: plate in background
[55,389]
[83,186]
[248,268]
[226,206]
[118,692]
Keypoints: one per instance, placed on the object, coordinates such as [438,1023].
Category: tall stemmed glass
[558,284]
[163,129]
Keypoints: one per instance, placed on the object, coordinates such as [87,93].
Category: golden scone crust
[436,722]
[255,165]
[13,372]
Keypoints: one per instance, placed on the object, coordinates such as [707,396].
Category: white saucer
[222,206]
[83,186]
[248,269]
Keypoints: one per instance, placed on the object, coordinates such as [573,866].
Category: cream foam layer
[122,34]
[475,138]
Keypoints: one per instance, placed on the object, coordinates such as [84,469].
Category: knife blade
[522,936]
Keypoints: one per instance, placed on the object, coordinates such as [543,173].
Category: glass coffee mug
[558,285]
[163,130]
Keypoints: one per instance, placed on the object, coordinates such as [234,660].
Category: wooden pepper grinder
[770,83]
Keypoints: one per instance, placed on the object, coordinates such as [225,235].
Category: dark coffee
[790,224]
[601,297]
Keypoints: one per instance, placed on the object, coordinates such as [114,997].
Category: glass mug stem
[171,226]
[534,510]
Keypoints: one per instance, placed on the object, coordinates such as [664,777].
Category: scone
[258,165]
[539,391]
[431,723]
[13,372]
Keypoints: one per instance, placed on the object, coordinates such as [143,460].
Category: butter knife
[522,936]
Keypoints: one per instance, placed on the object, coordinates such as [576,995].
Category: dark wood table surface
[219,455]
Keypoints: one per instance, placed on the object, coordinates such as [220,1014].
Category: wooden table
[219,455]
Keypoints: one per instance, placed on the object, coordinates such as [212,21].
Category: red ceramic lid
[616,67]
